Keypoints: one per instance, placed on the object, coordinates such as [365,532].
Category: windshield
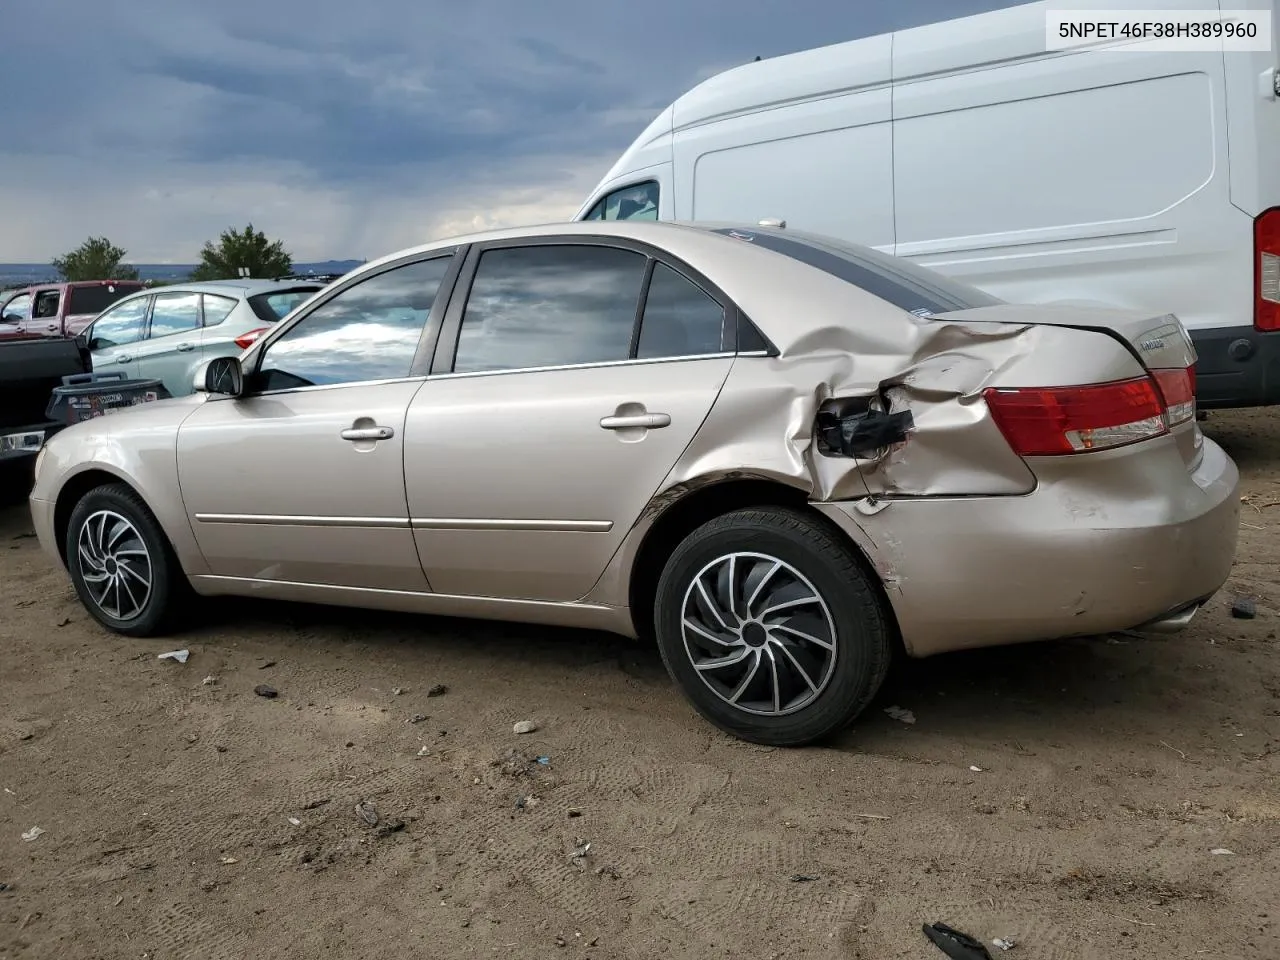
[270,307]
[906,285]
[92,300]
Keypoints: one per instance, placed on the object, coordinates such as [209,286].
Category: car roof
[786,298]
[237,288]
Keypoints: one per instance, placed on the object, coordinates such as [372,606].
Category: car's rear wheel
[121,563]
[771,627]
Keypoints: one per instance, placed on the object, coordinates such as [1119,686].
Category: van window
[906,285]
[636,202]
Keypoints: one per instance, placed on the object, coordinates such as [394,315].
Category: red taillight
[1178,387]
[1049,421]
[247,340]
[1266,270]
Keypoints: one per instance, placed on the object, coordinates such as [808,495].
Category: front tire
[121,563]
[771,628]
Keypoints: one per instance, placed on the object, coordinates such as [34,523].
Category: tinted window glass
[271,307]
[46,304]
[679,319]
[93,299]
[367,332]
[904,284]
[546,306]
[175,313]
[18,307]
[217,308]
[119,326]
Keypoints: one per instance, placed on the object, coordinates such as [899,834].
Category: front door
[530,460]
[301,480]
[114,337]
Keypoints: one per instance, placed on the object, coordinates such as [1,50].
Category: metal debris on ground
[263,690]
[898,713]
[367,812]
[580,850]
[975,768]
[1222,852]
[1244,609]
[179,655]
[803,878]
[424,752]
[32,834]
[295,821]
[1004,943]
[397,691]
[209,681]
[439,690]
[417,718]
[524,726]
[228,860]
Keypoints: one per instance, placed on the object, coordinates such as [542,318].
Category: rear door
[114,337]
[171,349]
[534,447]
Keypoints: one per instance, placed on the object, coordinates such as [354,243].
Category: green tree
[95,259]
[242,248]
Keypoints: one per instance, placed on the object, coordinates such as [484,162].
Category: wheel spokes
[115,565]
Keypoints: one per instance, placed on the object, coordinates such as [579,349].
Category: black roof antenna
[757,59]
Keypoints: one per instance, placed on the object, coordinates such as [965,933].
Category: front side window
[119,326]
[17,308]
[46,304]
[216,308]
[636,202]
[175,313]
[550,305]
[369,331]
[906,285]
[680,320]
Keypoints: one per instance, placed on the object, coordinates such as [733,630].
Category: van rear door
[1253,118]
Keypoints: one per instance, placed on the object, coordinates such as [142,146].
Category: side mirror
[222,376]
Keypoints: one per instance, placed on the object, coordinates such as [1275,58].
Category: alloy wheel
[758,634]
[114,564]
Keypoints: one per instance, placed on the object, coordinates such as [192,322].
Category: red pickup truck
[58,309]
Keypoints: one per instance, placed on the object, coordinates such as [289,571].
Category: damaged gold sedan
[778,455]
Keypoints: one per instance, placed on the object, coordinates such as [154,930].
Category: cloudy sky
[352,129]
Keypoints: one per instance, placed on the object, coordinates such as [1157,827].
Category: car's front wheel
[120,562]
[770,626]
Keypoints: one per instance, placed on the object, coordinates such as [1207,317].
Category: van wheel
[121,564]
[770,626]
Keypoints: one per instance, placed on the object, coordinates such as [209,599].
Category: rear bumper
[1236,367]
[1080,556]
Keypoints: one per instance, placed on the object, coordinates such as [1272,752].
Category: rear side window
[174,313]
[46,304]
[680,320]
[270,307]
[93,299]
[548,306]
[906,285]
[217,309]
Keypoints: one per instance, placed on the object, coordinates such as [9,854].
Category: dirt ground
[185,818]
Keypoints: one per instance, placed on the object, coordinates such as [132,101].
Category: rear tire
[767,621]
[121,563]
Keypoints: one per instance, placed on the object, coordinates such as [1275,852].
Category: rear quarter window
[270,307]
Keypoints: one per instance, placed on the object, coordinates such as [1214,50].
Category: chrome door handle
[52,326]
[186,347]
[368,433]
[124,360]
[643,421]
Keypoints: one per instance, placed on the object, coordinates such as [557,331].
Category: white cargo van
[1140,179]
